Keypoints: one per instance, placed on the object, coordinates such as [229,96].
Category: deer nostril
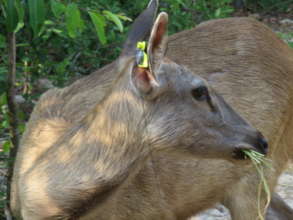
[263,145]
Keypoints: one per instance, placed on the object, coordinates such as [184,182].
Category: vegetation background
[46,43]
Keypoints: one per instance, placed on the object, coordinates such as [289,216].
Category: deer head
[170,108]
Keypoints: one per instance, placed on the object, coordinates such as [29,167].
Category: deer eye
[201,93]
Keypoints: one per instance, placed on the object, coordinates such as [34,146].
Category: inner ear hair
[158,38]
[160,34]
[158,42]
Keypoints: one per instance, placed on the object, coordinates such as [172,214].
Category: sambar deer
[69,169]
[253,69]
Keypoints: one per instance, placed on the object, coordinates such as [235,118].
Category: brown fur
[172,187]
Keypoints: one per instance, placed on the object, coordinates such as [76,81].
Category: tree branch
[13,121]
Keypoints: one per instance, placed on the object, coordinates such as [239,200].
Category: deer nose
[262,144]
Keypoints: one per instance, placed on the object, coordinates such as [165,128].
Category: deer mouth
[239,153]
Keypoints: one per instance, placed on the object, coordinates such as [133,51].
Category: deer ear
[145,79]
[141,28]
[144,82]
[157,44]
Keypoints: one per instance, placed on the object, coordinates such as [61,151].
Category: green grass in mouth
[260,162]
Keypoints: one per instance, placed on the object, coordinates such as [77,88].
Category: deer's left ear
[157,44]
[144,78]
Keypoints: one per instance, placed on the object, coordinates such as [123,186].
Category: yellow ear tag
[141,55]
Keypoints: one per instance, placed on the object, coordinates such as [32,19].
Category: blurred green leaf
[180,2]
[4,2]
[74,23]
[99,23]
[20,12]
[12,17]
[114,18]
[3,71]
[123,17]
[3,99]
[23,45]
[5,124]
[6,146]
[56,31]
[36,15]
[20,116]
[2,41]
[61,67]
[21,128]
[218,13]
[57,8]
[49,22]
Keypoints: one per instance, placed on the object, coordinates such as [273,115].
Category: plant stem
[259,161]
[13,121]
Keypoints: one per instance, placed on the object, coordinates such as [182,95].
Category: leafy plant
[36,15]
[215,8]
[265,6]
[288,37]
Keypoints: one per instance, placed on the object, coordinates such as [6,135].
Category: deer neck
[115,126]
